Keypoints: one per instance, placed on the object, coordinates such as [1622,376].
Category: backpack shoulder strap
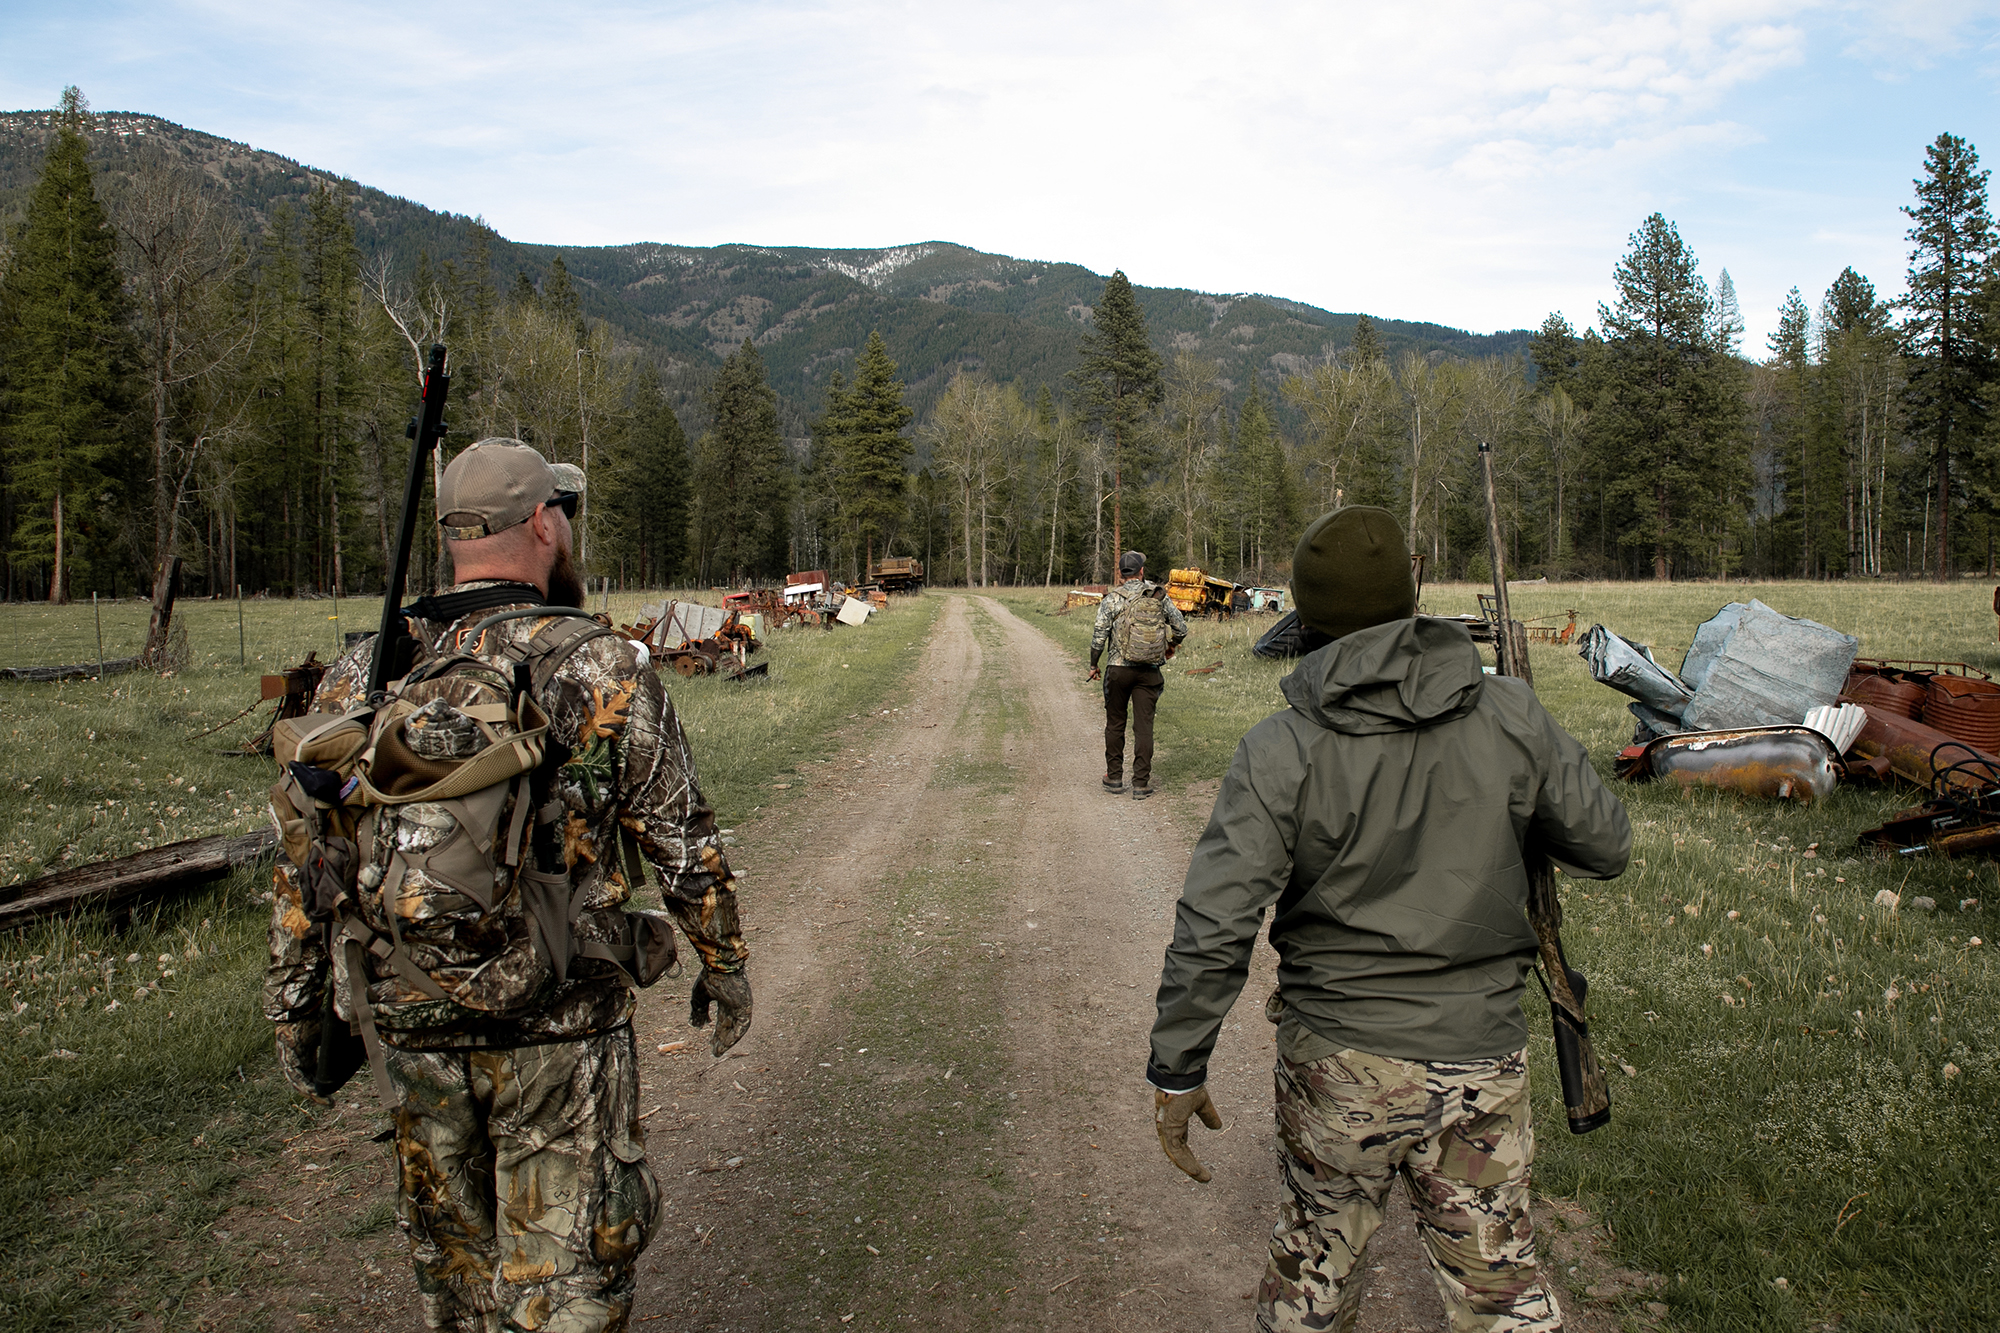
[569,629]
[555,643]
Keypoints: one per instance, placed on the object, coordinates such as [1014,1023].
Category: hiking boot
[1140,793]
[1112,782]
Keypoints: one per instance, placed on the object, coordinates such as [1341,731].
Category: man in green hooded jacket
[1381,819]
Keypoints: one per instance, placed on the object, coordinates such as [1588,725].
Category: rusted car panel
[1778,763]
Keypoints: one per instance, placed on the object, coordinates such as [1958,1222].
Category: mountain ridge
[940,306]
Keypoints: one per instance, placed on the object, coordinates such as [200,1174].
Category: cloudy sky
[1478,164]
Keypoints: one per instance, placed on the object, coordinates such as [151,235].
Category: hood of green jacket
[1391,677]
[1376,826]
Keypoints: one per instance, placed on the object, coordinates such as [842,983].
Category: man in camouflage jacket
[1380,820]
[1130,687]
[523,1182]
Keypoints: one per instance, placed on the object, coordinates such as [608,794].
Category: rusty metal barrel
[1965,709]
[1904,698]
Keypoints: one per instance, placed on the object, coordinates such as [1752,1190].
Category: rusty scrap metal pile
[695,639]
[698,640]
[1779,707]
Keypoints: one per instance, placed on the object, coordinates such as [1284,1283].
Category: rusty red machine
[698,640]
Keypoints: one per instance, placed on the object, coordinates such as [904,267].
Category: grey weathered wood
[152,873]
[165,589]
[117,666]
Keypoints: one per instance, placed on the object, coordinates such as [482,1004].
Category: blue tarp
[1769,669]
[1749,666]
[1629,668]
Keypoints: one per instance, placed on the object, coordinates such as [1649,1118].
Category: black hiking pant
[1137,688]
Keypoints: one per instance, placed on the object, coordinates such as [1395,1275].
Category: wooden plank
[117,666]
[152,873]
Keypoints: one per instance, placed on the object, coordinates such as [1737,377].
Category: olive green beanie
[1352,570]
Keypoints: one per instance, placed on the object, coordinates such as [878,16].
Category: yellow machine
[1196,593]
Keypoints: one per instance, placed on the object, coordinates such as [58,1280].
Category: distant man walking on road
[1142,627]
[1381,819]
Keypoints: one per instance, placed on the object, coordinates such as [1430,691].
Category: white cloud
[1472,162]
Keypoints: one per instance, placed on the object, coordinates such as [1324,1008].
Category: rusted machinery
[1198,594]
[1540,630]
[1930,723]
[899,573]
[293,688]
[671,638]
[1936,724]
[776,607]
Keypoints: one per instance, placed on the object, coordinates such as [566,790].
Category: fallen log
[152,873]
[117,666]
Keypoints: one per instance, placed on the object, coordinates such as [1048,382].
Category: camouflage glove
[1170,1119]
[731,990]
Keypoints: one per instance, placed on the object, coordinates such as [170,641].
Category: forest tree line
[172,384]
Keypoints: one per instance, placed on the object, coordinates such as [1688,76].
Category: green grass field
[1811,1095]
[137,1091]
[1806,1131]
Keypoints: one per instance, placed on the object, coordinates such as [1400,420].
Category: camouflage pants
[1459,1135]
[524,1186]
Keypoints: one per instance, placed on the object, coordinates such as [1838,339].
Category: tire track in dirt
[1046,1203]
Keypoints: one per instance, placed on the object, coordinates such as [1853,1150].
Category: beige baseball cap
[495,484]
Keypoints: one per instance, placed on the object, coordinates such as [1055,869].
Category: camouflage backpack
[1142,634]
[437,802]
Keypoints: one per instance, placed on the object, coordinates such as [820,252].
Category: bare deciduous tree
[184,257]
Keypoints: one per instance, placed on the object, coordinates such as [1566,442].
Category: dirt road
[939,1118]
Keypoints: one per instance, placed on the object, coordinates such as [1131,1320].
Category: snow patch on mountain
[877,272]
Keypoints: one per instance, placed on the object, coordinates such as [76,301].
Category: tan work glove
[731,991]
[1170,1119]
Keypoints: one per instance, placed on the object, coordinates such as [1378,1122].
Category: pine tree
[743,486]
[1268,497]
[1120,385]
[874,473]
[1952,235]
[331,287]
[559,295]
[1364,349]
[1791,366]
[1856,412]
[1554,353]
[1728,317]
[1670,411]
[68,361]
[660,487]
[826,485]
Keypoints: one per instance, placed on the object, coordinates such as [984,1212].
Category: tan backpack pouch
[325,741]
[463,861]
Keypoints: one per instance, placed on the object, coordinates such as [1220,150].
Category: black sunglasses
[565,501]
